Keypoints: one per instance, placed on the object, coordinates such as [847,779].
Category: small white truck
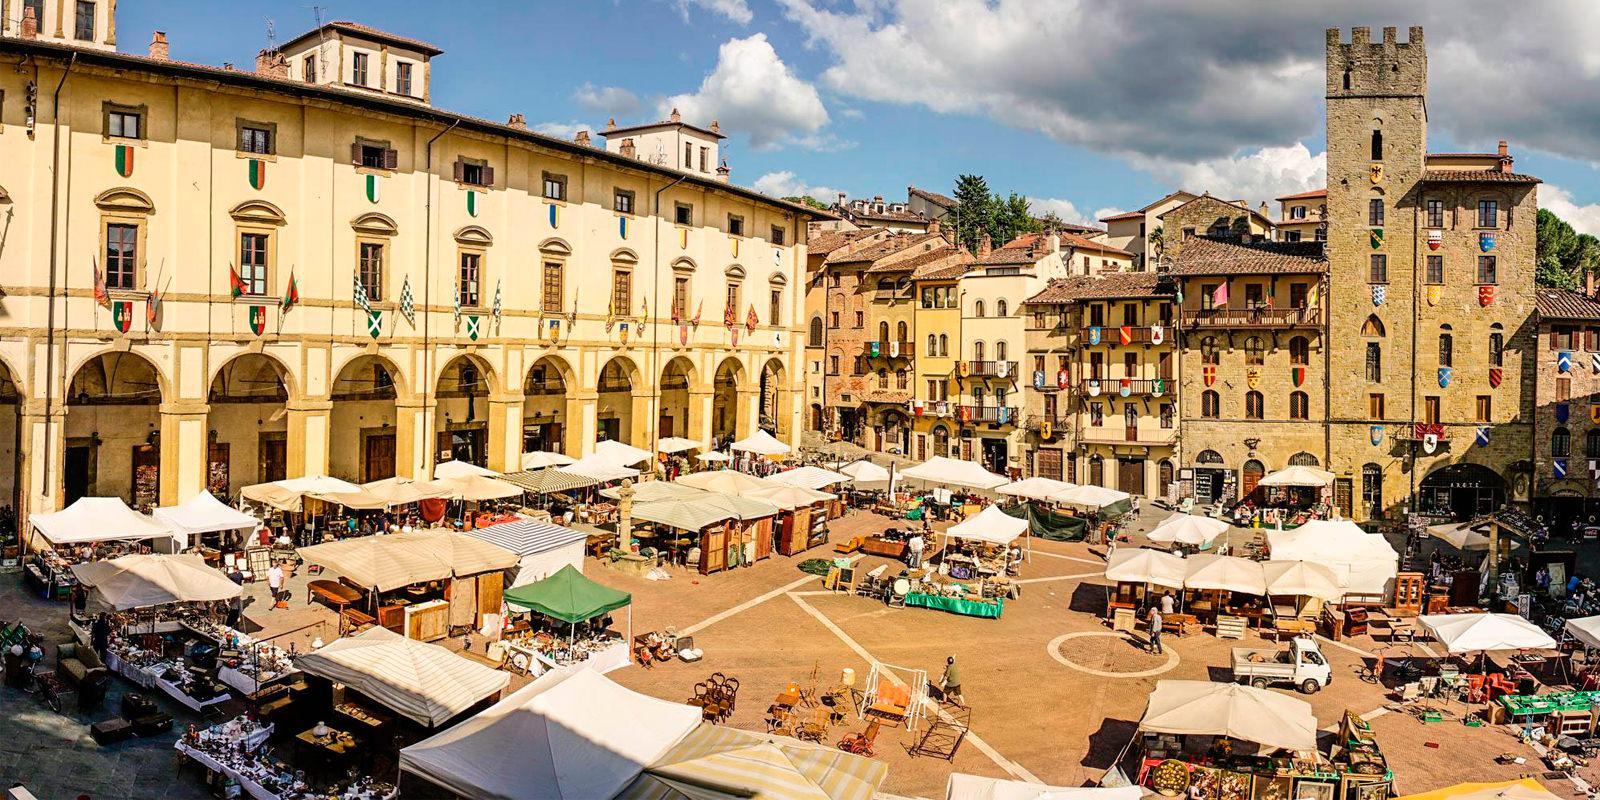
[1300,664]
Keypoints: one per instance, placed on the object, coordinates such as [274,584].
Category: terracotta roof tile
[1105,286]
[827,242]
[934,197]
[1124,215]
[1311,195]
[938,272]
[1466,155]
[1475,176]
[1083,243]
[371,33]
[1565,304]
[1204,255]
[889,246]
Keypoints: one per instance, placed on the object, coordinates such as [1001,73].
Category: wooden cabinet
[427,622]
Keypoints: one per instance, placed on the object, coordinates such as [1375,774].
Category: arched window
[1000,350]
[941,441]
[1372,489]
[1373,326]
[1302,459]
[1210,404]
[1299,405]
[1254,352]
[1208,350]
[1000,307]
[1097,471]
[1497,345]
[1377,145]
[883,331]
[1447,350]
[977,351]
[1374,362]
[1254,405]
[883,379]
[944,344]
[1591,443]
[1208,457]
[1347,80]
[977,308]
[1299,351]
[814,336]
[933,345]
[1561,443]
[900,332]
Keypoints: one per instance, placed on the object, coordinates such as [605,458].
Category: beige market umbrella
[1035,488]
[141,581]
[1301,578]
[678,444]
[1207,708]
[1143,565]
[715,762]
[650,491]
[1298,476]
[478,487]
[390,492]
[461,469]
[789,498]
[623,455]
[810,477]
[1188,529]
[760,443]
[1225,573]
[537,459]
[727,481]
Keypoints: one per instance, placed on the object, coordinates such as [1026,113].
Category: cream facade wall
[937,316]
[191,196]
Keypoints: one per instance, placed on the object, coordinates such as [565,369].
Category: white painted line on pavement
[752,603]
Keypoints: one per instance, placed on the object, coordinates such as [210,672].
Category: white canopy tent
[962,786]
[1365,563]
[1225,573]
[287,494]
[789,498]
[390,492]
[678,444]
[864,471]
[599,468]
[200,515]
[717,762]
[389,562]
[651,491]
[461,469]
[422,681]
[1193,530]
[544,548]
[577,735]
[141,581]
[97,519]
[1205,708]
[760,443]
[810,477]
[714,456]
[990,525]
[1474,633]
[479,487]
[1298,476]
[539,459]
[623,455]
[1143,565]
[1091,498]
[1035,488]
[954,472]
[1585,629]
[727,481]
[1301,578]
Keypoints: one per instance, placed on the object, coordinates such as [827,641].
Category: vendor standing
[914,548]
[100,635]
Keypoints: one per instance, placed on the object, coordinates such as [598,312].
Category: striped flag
[457,310]
[497,304]
[291,294]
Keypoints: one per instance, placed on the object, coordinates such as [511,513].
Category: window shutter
[488,176]
[457,170]
[391,158]
[355,153]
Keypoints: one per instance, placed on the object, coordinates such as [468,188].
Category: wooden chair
[781,721]
[861,743]
[814,728]
[890,702]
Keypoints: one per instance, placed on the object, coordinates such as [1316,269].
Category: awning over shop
[543,548]
[97,519]
[568,596]
[202,514]
[760,443]
[402,559]
[141,581]
[548,480]
[422,681]
[1298,476]
[954,472]
[990,525]
[1207,708]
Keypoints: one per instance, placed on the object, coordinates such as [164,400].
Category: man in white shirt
[1166,603]
[914,550]
[275,583]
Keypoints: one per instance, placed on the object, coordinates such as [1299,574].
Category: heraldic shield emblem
[1496,376]
[1157,334]
[1094,388]
[1375,435]
[1208,373]
[1433,294]
[1445,373]
[1298,376]
[1253,378]
[1435,239]
[1485,295]
[1483,435]
[1487,241]
[1380,293]
[1094,334]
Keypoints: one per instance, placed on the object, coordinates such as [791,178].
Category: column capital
[185,408]
[309,405]
[507,397]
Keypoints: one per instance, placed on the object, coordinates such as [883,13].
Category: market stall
[810,477]
[568,597]
[1364,563]
[1218,579]
[1295,495]
[91,529]
[1188,530]
[389,493]
[954,472]
[544,548]
[423,682]
[580,736]
[1036,488]
[622,455]
[725,481]
[716,762]
[420,584]
[802,521]
[548,480]
[1136,572]
[203,514]
[962,786]
[233,750]
[725,531]
[289,494]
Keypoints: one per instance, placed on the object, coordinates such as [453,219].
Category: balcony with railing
[998,415]
[992,369]
[1136,386]
[1261,317]
[1121,434]
[1059,424]
[1112,334]
[884,349]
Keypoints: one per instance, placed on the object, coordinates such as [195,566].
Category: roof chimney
[272,64]
[715,128]
[985,245]
[724,173]
[675,116]
[582,138]
[517,121]
[611,124]
[933,226]
[1505,157]
[1588,283]
[30,23]
[627,149]
[1055,242]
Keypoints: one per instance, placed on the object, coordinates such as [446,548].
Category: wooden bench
[354,620]
[1179,623]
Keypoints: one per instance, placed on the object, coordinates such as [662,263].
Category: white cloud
[751,91]
[564,130]
[1265,174]
[785,183]
[1582,218]
[1065,209]
[1108,211]
[735,10]
[613,101]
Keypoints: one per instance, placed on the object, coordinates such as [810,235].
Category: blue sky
[1084,107]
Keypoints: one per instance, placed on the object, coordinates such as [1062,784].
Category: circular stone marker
[1119,655]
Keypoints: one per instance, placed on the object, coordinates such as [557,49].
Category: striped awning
[424,682]
[526,537]
[719,762]
[547,480]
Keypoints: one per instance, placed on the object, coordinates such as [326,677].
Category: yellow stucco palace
[214,276]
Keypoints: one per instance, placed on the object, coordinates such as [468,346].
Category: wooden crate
[1230,627]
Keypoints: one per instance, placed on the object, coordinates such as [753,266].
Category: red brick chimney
[158,45]
[272,64]
[1588,283]
[517,121]
[627,148]
[1505,157]
[675,117]
[724,172]
[985,246]
[582,138]
[30,23]
[933,226]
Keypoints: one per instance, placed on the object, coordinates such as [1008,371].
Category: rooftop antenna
[272,35]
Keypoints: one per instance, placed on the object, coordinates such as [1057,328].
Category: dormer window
[358,68]
[308,69]
[402,78]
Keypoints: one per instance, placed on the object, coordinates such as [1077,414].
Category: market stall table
[989,609]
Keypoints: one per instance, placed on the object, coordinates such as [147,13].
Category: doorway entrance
[994,455]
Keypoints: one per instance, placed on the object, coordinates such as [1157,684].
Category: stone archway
[247,438]
[1462,490]
[676,413]
[623,404]
[461,411]
[11,463]
[113,431]
[547,405]
[365,439]
[776,403]
[726,414]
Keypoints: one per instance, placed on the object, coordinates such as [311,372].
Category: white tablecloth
[145,678]
[192,704]
[613,657]
[249,786]
[244,684]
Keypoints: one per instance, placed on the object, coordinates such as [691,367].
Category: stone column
[701,399]
[183,450]
[308,436]
[413,437]
[505,432]
[748,399]
[40,493]
[582,422]
[644,424]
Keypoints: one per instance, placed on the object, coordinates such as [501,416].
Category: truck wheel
[1309,686]
[1260,683]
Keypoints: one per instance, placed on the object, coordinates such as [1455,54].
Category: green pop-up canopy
[567,596]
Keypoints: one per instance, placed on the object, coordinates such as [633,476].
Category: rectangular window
[733,303]
[1488,213]
[1166,416]
[1297,212]
[1253,296]
[374,155]
[1435,214]
[371,269]
[775,307]
[1379,268]
[1563,390]
[253,263]
[1291,236]
[1374,362]
[680,297]
[358,69]
[308,69]
[735,225]
[122,256]
[1435,270]
[402,78]
[1430,409]
[1130,315]
[622,201]
[1561,338]
[555,186]
[124,124]
[471,279]
[473,172]
[1375,211]
[1208,296]
[1097,415]
[778,233]
[683,214]
[833,365]
[688,155]
[1485,408]
[1487,272]
[621,291]
[705,155]
[255,139]
[1322,233]
[552,286]
[83,27]
[1097,315]
[1375,406]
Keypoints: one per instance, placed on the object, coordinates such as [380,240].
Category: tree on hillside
[974,211]
[808,200]
[1562,255]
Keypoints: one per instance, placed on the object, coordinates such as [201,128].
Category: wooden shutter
[355,153]
[458,170]
[391,158]
[488,176]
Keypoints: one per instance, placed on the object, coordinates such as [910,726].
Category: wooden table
[334,745]
[334,593]
[787,699]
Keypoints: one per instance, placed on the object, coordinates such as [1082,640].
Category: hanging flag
[1564,361]
[555,216]
[611,314]
[235,283]
[1094,334]
[1002,369]
[1380,293]
[644,315]
[125,160]
[683,335]
[358,292]
[102,295]
[697,309]
[1375,434]
[291,293]
[1158,334]
[374,323]
[1094,387]
[1376,238]
[1496,375]
[408,303]
[1445,373]
[1061,379]
[1485,295]
[473,321]
[894,349]
[872,349]
[1125,387]
[1125,334]
[457,310]
[1038,379]
[472,203]
[572,316]
[1219,295]
[624,333]
[1594,413]
[1298,376]
[622,226]
[553,329]
[152,307]
[683,238]
[498,305]
[735,332]
[1435,239]
[1314,298]
[730,317]
[1563,412]
[1158,387]
[122,314]
[1430,443]
[258,174]
[1208,373]
[1483,436]
[374,189]
[750,320]
[1433,293]
[1560,467]
[1594,359]
[258,319]
[1487,241]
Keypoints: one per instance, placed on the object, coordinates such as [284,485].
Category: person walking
[100,635]
[1156,622]
[950,683]
[275,584]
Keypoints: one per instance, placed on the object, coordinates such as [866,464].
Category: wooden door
[274,457]
[1342,490]
[1130,422]
[1250,477]
[1047,463]
[713,550]
[217,470]
[1130,476]
[378,461]
[763,533]
[146,478]
[664,425]
[491,590]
